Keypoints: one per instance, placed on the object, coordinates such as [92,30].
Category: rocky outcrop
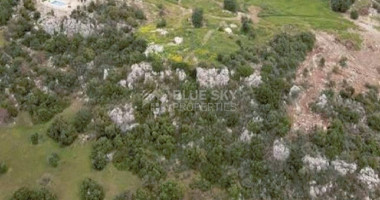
[254,80]
[210,78]
[369,177]
[343,168]
[123,117]
[280,150]
[315,163]
[68,26]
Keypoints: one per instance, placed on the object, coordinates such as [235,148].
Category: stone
[254,80]
[181,74]
[178,40]
[153,49]
[280,150]
[228,31]
[139,71]
[212,77]
[315,163]
[343,168]
[246,136]
[368,176]
[123,117]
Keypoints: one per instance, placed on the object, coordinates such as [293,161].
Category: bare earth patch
[363,66]
[254,14]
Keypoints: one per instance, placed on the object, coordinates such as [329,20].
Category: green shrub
[246,27]
[197,17]
[99,151]
[6,10]
[53,159]
[29,5]
[201,184]
[36,194]
[322,62]
[36,15]
[81,119]
[354,15]
[170,191]
[91,190]
[62,132]
[374,121]
[343,61]
[244,71]
[341,5]
[3,168]
[34,138]
[230,5]
[346,114]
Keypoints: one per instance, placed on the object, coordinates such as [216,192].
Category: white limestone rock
[318,190]
[280,150]
[123,117]
[69,26]
[254,80]
[139,71]
[368,176]
[246,136]
[228,31]
[343,168]
[123,83]
[105,74]
[233,26]
[322,101]
[178,40]
[110,155]
[162,31]
[181,74]
[315,163]
[153,49]
[212,77]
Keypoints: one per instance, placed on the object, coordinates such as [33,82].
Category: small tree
[3,168]
[82,119]
[170,191]
[53,159]
[354,14]
[34,138]
[197,17]
[91,190]
[35,194]
[230,5]
[341,5]
[246,27]
[62,132]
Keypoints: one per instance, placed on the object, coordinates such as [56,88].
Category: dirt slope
[363,66]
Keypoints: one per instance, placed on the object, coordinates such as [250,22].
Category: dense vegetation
[91,190]
[341,5]
[42,73]
[33,194]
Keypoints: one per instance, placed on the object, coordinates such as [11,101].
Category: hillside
[189,99]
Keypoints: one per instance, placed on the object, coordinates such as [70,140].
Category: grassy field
[295,15]
[205,43]
[28,163]
[2,41]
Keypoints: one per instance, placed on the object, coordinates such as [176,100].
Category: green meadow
[205,43]
[28,164]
